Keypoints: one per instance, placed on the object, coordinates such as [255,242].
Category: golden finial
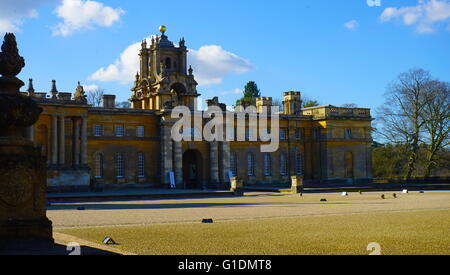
[162,29]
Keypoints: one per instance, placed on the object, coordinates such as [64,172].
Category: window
[250,164]
[283,164]
[98,130]
[267,165]
[283,134]
[98,166]
[140,131]
[348,133]
[233,164]
[168,63]
[141,165]
[119,130]
[298,134]
[317,133]
[299,164]
[119,165]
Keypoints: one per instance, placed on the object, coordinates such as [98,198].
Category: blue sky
[337,52]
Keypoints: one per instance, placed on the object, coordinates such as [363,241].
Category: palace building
[107,146]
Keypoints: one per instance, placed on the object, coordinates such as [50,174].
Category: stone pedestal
[297,184]
[22,192]
[22,167]
[237,186]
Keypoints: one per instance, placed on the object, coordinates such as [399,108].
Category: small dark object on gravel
[323,200]
[382,196]
[395,195]
[207,221]
[81,208]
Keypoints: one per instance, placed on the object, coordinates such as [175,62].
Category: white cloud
[352,25]
[425,16]
[236,91]
[90,88]
[210,63]
[14,12]
[80,14]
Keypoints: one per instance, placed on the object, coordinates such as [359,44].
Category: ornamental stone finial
[11,63]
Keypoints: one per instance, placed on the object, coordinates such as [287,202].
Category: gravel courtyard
[262,223]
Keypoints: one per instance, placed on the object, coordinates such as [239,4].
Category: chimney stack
[109,101]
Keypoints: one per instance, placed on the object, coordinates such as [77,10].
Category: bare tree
[436,117]
[401,115]
[95,97]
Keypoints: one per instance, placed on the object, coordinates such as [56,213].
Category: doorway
[192,169]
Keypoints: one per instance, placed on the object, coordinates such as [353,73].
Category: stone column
[54,140]
[178,163]
[166,154]
[83,145]
[62,139]
[226,152]
[75,142]
[214,162]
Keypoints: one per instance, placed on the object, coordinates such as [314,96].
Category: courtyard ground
[262,223]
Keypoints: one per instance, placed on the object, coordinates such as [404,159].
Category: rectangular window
[119,130]
[250,164]
[283,134]
[140,131]
[119,165]
[141,165]
[98,130]
[299,134]
[348,133]
[267,165]
[283,164]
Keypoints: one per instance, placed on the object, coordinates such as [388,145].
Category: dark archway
[178,88]
[192,169]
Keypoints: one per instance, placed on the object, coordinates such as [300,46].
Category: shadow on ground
[144,206]
[45,248]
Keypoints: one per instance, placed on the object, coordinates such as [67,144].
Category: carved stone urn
[22,167]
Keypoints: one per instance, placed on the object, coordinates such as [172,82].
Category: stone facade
[109,146]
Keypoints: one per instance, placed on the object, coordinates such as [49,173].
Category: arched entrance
[192,169]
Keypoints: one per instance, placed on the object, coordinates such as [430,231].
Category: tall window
[299,164]
[98,130]
[267,165]
[99,166]
[233,164]
[141,165]
[298,134]
[119,130]
[119,165]
[168,63]
[250,164]
[140,131]
[316,133]
[348,133]
[283,164]
[283,134]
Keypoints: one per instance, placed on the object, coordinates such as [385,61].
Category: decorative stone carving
[80,94]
